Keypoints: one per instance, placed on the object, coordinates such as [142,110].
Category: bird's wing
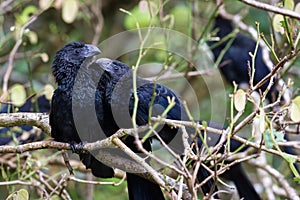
[153,101]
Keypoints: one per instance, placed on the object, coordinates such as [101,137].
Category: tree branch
[271,8]
[40,120]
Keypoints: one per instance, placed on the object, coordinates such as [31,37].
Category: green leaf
[289,4]
[23,18]
[55,197]
[279,136]
[22,194]
[240,100]
[204,123]
[33,37]
[18,94]
[182,18]
[140,15]
[268,140]
[295,109]
[69,10]
[277,23]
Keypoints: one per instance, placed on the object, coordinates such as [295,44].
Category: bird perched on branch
[236,61]
[94,99]
[119,76]
[106,87]
[235,65]
[65,67]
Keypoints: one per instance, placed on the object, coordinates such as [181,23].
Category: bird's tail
[242,182]
[209,185]
[98,168]
[142,189]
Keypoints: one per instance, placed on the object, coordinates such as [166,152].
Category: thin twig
[12,55]
[279,65]
[271,8]
[290,192]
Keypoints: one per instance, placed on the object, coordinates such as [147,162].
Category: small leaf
[240,100]
[297,180]
[289,4]
[18,95]
[55,197]
[33,37]
[45,4]
[22,194]
[277,23]
[295,109]
[44,57]
[48,91]
[27,13]
[69,10]
[268,140]
[204,123]
[279,136]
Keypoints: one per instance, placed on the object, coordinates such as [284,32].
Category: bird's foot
[77,148]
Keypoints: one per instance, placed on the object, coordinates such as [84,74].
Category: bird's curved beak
[104,63]
[92,50]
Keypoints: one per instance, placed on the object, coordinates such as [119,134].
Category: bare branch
[278,66]
[290,192]
[40,120]
[12,55]
[271,8]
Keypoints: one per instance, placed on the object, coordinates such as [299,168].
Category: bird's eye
[77,51]
[116,68]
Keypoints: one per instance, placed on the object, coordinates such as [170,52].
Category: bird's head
[113,68]
[68,60]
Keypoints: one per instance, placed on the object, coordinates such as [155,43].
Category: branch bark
[271,8]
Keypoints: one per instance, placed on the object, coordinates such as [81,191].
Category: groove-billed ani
[116,85]
[110,98]
[234,65]
[41,104]
[65,67]
[118,76]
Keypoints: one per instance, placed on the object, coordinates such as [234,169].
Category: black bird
[72,65]
[117,75]
[65,67]
[41,104]
[234,65]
